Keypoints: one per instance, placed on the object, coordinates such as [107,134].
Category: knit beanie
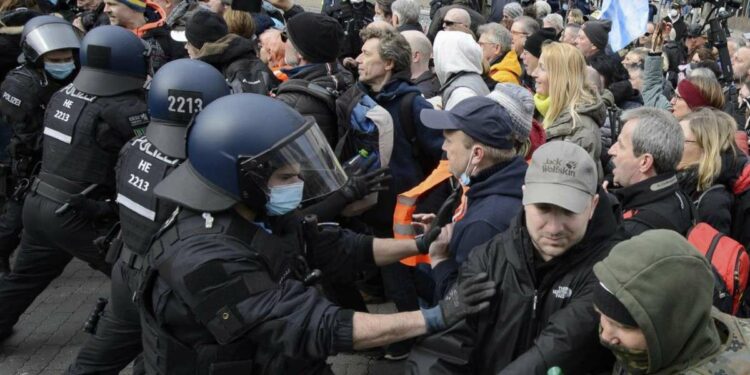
[535,41]
[513,10]
[610,306]
[136,5]
[315,36]
[598,32]
[518,102]
[205,27]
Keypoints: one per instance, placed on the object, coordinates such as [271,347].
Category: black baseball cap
[479,117]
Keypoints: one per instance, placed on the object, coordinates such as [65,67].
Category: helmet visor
[52,37]
[304,154]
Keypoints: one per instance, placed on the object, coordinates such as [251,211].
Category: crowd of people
[250,175]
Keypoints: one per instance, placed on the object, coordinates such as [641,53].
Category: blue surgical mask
[284,199]
[465,178]
[59,70]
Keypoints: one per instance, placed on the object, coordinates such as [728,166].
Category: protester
[383,11]
[457,19]
[511,11]
[571,110]
[575,16]
[522,28]
[696,92]
[695,40]
[520,105]
[421,74]
[495,41]
[437,25]
[643,284]
[645,156]
[458,65]
[644,40]
[406,15]
[593,38]
[239,23]
[542,315]
[554,21]
[532,49]
[271,50]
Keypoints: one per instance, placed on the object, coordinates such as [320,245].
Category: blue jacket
[494,199]
[405,168]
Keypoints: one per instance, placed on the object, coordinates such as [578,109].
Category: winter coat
[331,77]
[458,65]
[585,132]
[506,69]
[542,314]
[684,334]
[428,84]
[493,200]
[653,83]
[234,56]
[11,27]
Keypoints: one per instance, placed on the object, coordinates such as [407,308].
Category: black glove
[469,297]
[338,252]
[89,208]
[360,183]
[425,240]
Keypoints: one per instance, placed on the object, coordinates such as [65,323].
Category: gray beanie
[513,10]
[519,103]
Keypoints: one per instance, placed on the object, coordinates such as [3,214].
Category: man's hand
[360,184]
[469,297]
[439,249]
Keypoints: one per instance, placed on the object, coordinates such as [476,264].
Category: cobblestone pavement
[49,334]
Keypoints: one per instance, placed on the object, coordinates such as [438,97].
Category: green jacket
[585,132]
[667,286]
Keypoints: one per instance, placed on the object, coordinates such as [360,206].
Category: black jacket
[299,94]
[659,194]
[234,56]
[541,316]
[428,83]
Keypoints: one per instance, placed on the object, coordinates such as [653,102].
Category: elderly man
[457,19]
[593,38]
[406,15]
[542,314]
[495,41]
[511,12]
[570,34]
[272,48]
[522,28]
[554,21]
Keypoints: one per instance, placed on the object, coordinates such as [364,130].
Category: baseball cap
[561,173]
[479,117]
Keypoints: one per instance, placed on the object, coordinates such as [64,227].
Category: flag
[629,19]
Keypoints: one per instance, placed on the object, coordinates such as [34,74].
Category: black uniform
[25,93]
[118,338]
[224,295]
[83,135]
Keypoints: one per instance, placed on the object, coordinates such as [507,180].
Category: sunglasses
[450,23]
[647,34]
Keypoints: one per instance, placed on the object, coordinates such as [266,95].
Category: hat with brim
[479,117]
[169,138]
[567,197]
[187,188]
[105,83]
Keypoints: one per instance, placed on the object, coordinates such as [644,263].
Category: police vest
[140,168]
[227,347]
[70,146]
[406,204]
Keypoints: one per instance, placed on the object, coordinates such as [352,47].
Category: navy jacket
[494,199]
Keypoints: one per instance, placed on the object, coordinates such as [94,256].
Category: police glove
[469,297]
[360,184]
[89,208]
[338,252]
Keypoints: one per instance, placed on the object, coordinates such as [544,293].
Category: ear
[416,56]
[389,65]
[477,154]
[646,163]
[594,203]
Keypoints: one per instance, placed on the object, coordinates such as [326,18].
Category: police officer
[70,202]
[226,287]
[49,45]
[179,90]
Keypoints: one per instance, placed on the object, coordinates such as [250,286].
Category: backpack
[353,17]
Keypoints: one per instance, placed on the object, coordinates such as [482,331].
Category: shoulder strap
[703,194]
[310,88]
[406,117]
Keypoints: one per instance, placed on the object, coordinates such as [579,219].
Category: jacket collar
[648,191]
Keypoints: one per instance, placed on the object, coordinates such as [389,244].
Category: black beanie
[316,37]
[598,32]
[205,27]
[536,40]
[610,306]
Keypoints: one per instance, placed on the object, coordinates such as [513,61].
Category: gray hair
[529,24]
[513,10]
[739,40]
[555,21]
[497,33]
[702,72]
[658,133]
[408,11]
[542,9]
[393,47]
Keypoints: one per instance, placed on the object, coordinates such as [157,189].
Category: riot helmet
[44,34]
[113,61]
[237,143]
[178,91]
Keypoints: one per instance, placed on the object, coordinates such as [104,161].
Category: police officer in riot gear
[49,45]
[71,202]
[225,288]
[179,90]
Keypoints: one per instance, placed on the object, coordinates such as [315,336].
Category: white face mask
[673,14]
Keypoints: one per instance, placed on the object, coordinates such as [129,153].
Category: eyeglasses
[690,141]
[519,33]
[647,34]
[481,43]
[677,95]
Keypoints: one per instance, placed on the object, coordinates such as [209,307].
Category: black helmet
[179,90]
[44,34]
[234,146]
[113,61]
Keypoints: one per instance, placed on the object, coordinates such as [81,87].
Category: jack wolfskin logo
[559,166]
[562,292]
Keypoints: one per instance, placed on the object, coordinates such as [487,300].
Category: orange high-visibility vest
[140,31]
[406,204]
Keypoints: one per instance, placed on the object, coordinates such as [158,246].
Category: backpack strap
[703,194]
[310,88]
[406,118]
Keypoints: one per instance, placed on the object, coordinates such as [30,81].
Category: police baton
[65,207]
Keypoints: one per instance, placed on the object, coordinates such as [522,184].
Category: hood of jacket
[667,286]
[455,52]
[597,111]
[399,84]
[225,50]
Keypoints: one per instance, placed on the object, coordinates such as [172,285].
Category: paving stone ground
[50,333]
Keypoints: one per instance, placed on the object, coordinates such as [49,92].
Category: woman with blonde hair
[572,110]
[240,22]
[710,164]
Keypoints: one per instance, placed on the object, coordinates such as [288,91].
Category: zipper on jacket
[533,304]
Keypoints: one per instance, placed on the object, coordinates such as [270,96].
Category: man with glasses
[522,27]
[457,19]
